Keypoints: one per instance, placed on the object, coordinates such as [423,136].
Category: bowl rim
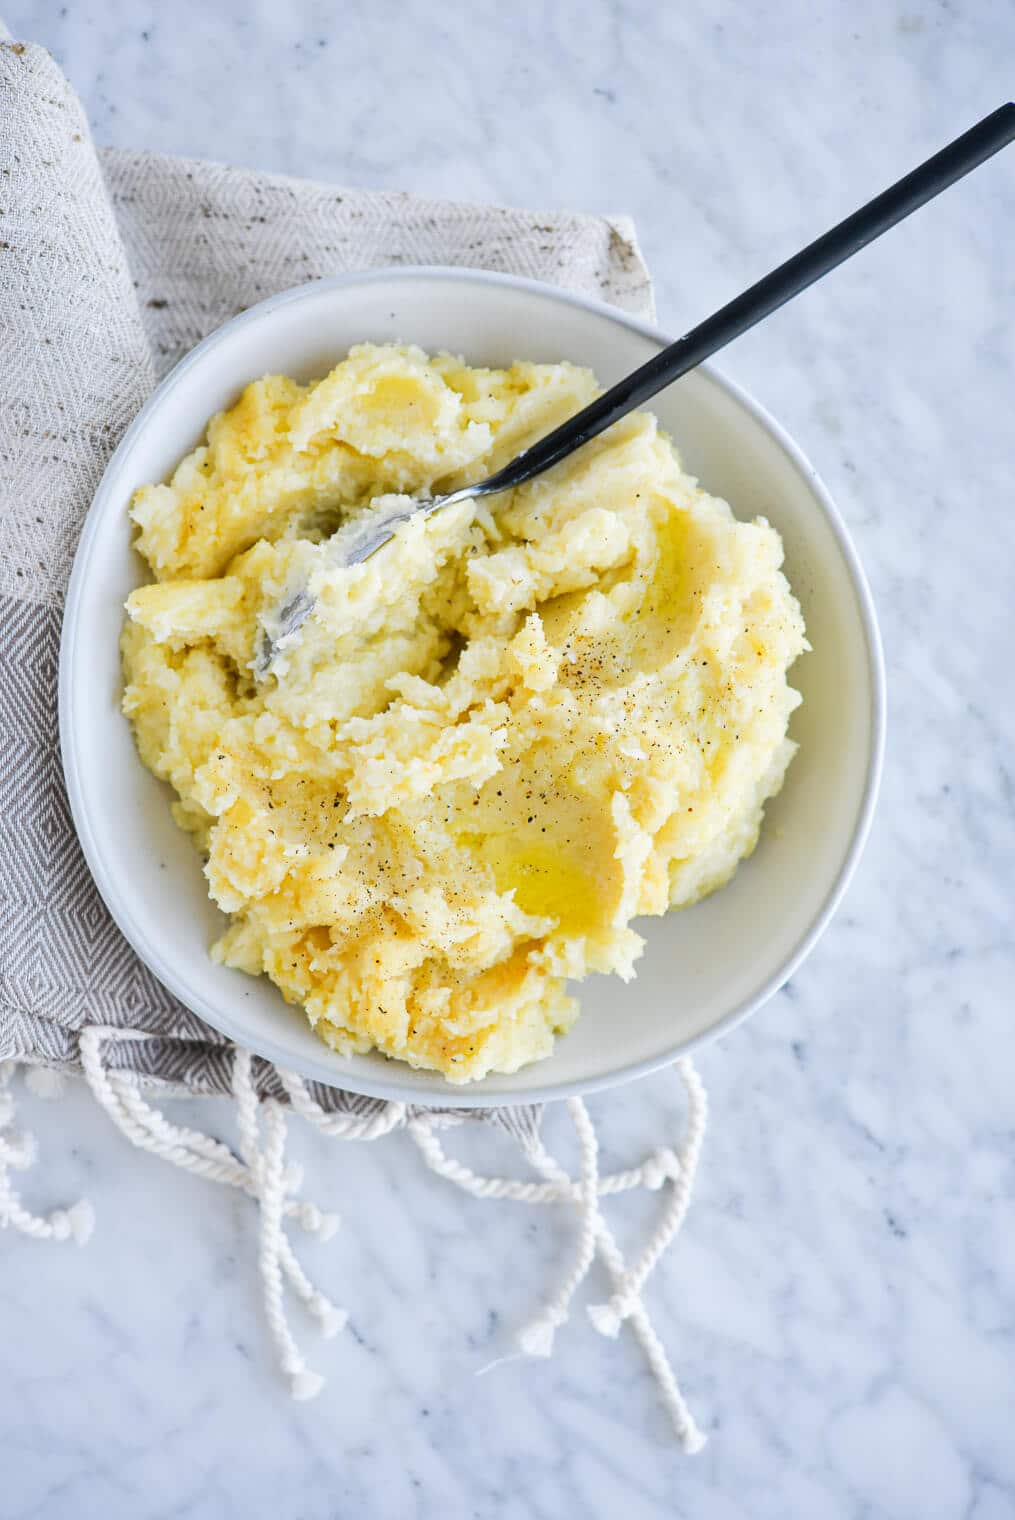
[438,1091]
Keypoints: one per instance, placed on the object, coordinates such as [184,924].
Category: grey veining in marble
[842,1306]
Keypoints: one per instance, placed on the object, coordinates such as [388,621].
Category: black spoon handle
[907,195]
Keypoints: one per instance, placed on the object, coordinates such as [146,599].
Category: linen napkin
[112,266]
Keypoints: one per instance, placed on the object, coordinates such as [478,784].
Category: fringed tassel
[17,1153]
[537,1338]
[260,1171]
[609,1317]
[595,1236]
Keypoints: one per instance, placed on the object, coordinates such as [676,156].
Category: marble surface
[842,1306]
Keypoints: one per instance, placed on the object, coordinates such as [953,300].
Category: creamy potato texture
[492,746]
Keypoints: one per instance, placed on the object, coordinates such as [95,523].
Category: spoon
[357,541]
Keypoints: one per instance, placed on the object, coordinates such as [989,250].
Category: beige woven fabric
[113,265]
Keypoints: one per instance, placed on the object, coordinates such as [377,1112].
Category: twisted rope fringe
[17,1153]
[537,1338]
[626,1302]
[609,1317]
[261,1172]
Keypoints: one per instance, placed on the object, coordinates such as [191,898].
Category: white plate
[703,969]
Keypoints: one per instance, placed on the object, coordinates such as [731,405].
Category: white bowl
[703,969]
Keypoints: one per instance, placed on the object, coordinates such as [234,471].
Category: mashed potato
[493,745]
